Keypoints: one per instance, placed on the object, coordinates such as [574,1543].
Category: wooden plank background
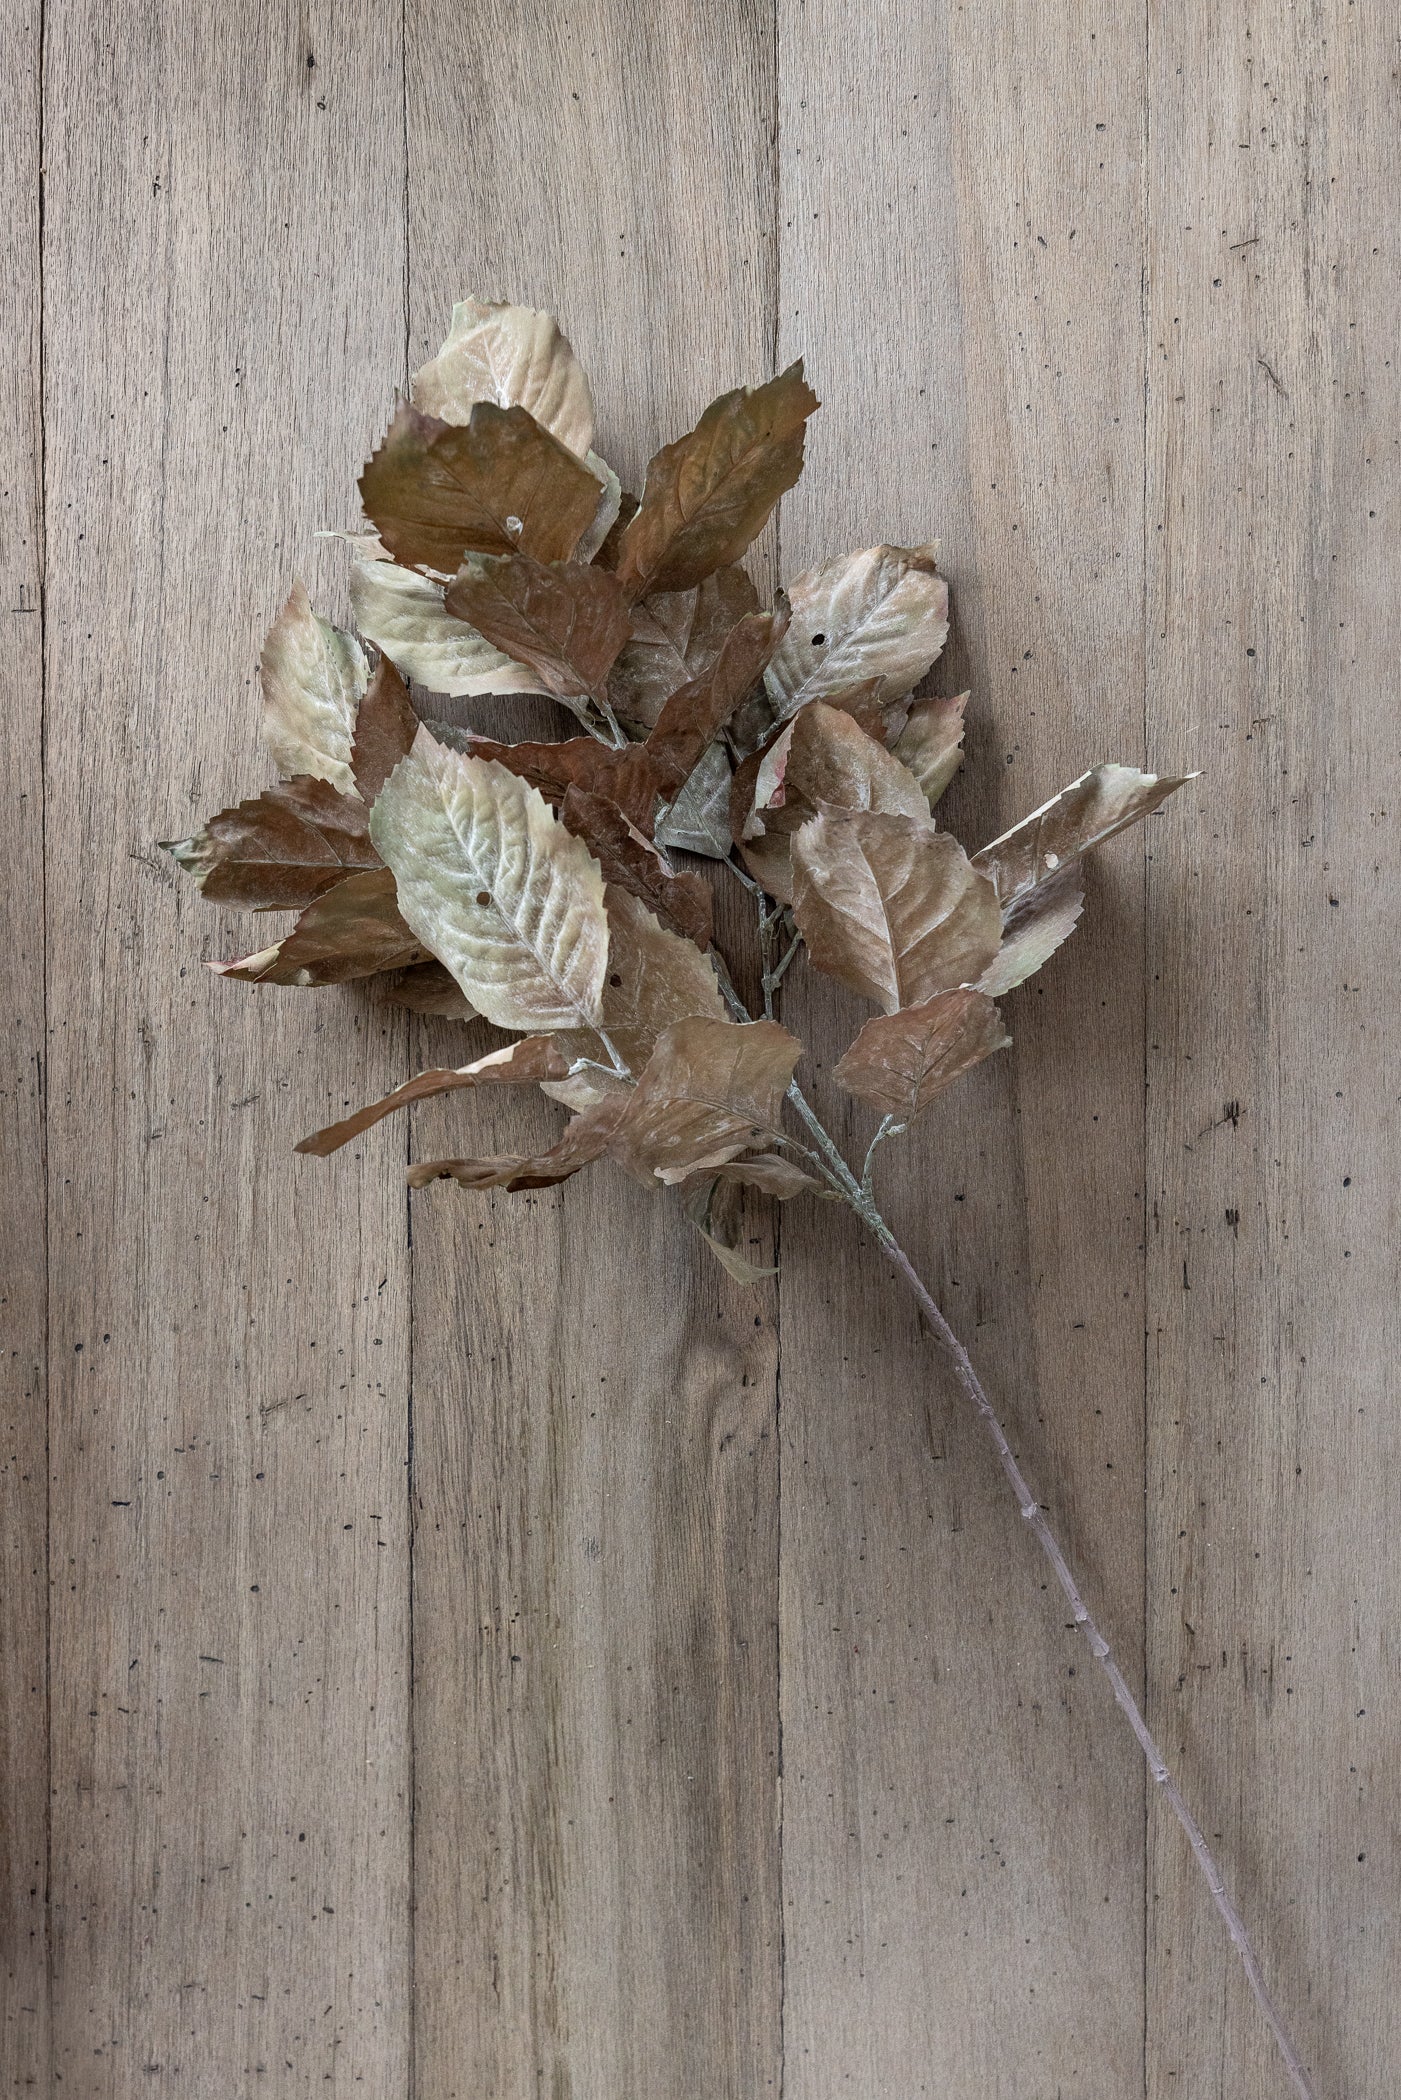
[472,1651]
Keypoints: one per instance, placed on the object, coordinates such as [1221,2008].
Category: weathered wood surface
[461,1777]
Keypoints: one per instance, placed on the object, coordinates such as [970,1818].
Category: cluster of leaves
[536,883]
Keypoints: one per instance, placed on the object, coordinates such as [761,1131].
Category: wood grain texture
[1274,645]
[962,1822]
[596,1709]
[24,1778]
[475,1793]
[223,302]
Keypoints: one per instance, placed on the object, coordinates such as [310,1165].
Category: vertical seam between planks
[42,1076]
[1145,321]
[411,1929]
[776,181]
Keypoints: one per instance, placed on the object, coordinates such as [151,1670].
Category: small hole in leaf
[483,896]
[818,641]
[615,980]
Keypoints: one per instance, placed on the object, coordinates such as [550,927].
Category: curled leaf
[353,930]
[715,1207]
[901,1061]
[312,677]
[496,485]
[495,887]
[892,907]
[628,857]
[882,612]
[710,1090]
[676,636]
[610,504]
[708,494]
[566,620]
[430,989]
[1093,808]
[931,743]
[696,713]
[403,614]
[585,1139]
[509,355]
[385,727]
[1033,927]
[280,851]
[698,820]
[524,1063]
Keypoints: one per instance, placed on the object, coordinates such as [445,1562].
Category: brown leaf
[629,858]
[354,930]
[585,1139]
[710,1090]
[1092,809]
[676,636]
[901,1062]
[567,621]
[385,727]
[892,907]
[1033,927]
[625,776]
[823,758]
[430,989]
[931,743]
[881,612]
[709,493]
[654,979]
[696,713]
[532,1059]
[772,1173]
[715,1206]
[403,614]
[281,850]
[496,485]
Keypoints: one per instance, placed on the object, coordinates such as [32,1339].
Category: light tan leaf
[385,727]
[698,821]
[823,758]
[900,1062]
[882,612]
[931,743]
[313,676]
[524,1063]
[508,354]
[280,851]
[696,713]
[353,930]
[707,495]
[654,979]
[710,1090]
[676,636]
[1092,809]
[610,503]
[1033,927]
[495,887]
[892,907]
[566,620]
[403,614]
[628,857]
[771,1172]
[497,485]
[585,1139]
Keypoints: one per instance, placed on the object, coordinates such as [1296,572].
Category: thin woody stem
[972,1389]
